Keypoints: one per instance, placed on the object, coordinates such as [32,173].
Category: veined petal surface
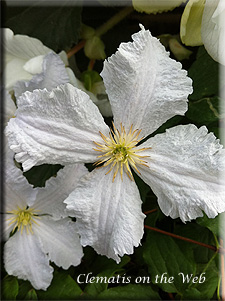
[10,107]
[213,29]
[18,50]
[14,71]
[184,172]
[24,258]
[53,74]
[60,240]
[22,46]
[145,86]
[50,198]
[109,216]
[191,22]
[55,127]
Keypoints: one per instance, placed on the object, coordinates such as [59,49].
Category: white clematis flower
[44,232]
[145,88]
[53,74]
[10,107]
[23,57]
[30,65]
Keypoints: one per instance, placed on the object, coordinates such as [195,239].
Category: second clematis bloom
[40,229]
[145,89]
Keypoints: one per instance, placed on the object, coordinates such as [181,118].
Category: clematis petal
[18,50]
[34,65]
[24,258]
[145,86]
[109,216]
[191,22]
[155,6]
[60,240]
[10,107]
[50,198]
[53,74]
[55,127]
[22,46]
[184,169]
[213,29]
[14,71]
[18,192]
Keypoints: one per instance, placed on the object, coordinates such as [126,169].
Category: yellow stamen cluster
[23,218]
[120,152]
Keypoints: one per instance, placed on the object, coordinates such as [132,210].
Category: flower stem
[214,248]
[76,48]
[150,211]
[103,28]
[113,21]
[91,64]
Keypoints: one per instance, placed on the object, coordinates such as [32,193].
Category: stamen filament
[119,149]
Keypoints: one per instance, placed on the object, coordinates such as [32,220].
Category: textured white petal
[18,49]
[7,226]
[34,65]
[22,46]
[53,74]
[184,172]
[24,258]
[191,22]
[145,87]
[61,241]
[109,216]
[18,192]
[55,127]
[213,29]
[9,106]
[50,198]
[14,71]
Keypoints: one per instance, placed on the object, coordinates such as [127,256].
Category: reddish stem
[76,48]
[214,248]
[150,211]
[91,64]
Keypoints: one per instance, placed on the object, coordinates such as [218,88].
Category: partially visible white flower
[30,65]
[53,74]
[203,22]
[9,106]
[182,166]
[23,57]
[213,29]
[42,230]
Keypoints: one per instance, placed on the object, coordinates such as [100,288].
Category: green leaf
[205,74]
[108,269]
[211,223]
[201,234]
[206,289]
[57,27]
[204,111]
[63,287]
[10,288]
[31,295]
[90,77]
[130,292]
[38,175]
[166,259]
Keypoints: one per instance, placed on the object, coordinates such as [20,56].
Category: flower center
[120,152]
[23,218]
